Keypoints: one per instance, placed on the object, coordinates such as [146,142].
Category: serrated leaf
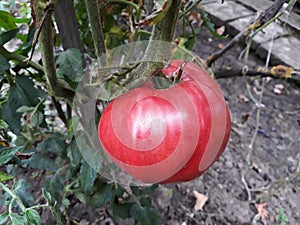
[104,195]
[46,195]
[70,64]
[37,118]
[3,124]
[41,161]
[4,177]
[18,185]
[3,217]
[55,186]
[33,216]
[7,21]
[4,65]
[54,144]
[87,177]
[7,153]
[25,109]
[8,35]
[121,210]
[17,219]
[147,190]
[144,215]
[23,93]
[73,153]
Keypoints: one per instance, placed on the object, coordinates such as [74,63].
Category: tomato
[167,135]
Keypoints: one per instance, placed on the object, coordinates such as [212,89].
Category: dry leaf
[278,89]
[262,212]
[243,98]
[220,45]
[200,200]
[221,30]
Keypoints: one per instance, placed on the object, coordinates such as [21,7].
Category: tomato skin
[167,135]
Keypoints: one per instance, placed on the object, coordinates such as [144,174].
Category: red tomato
[167,135]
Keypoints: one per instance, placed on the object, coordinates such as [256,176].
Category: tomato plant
[167,135]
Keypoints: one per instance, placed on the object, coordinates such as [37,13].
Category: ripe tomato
[167,135]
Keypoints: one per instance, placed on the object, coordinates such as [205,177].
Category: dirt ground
[236,189]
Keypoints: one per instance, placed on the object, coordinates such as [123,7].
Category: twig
[20,59]
[96,27]
[278,72]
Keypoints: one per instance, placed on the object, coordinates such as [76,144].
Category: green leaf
[8,35]
[121,210]
[55,186]
[18,185]
[104,195]
[4,177]
[54,144]
[41,161]
[8,153]
[17,219]
[147,190]
[3,124]
[47,196]
[33,216]
[144,215]
[7,21]
[23,93]
[87,177]
[70,64]
[3,217]
[74,153]
[37,118]
[4,65]
[25,109]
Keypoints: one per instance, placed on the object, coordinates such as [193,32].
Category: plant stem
[14,197]
[46,46]
[96,27]
[158,49]
[20,59]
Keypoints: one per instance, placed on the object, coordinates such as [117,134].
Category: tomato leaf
[104,195]
[4,177]
[41,161]
[8,35]
[8,153]
[7,21]
[23,93]
[47,196]
[4,65]
[4,217]
[17,219]
[33,216]
[87,177]
[54,144]
[144,215]
[70,64]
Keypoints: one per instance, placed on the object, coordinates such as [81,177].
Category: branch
[266,16]
[96,27]
[279,72]
[22,60]
[46,46]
